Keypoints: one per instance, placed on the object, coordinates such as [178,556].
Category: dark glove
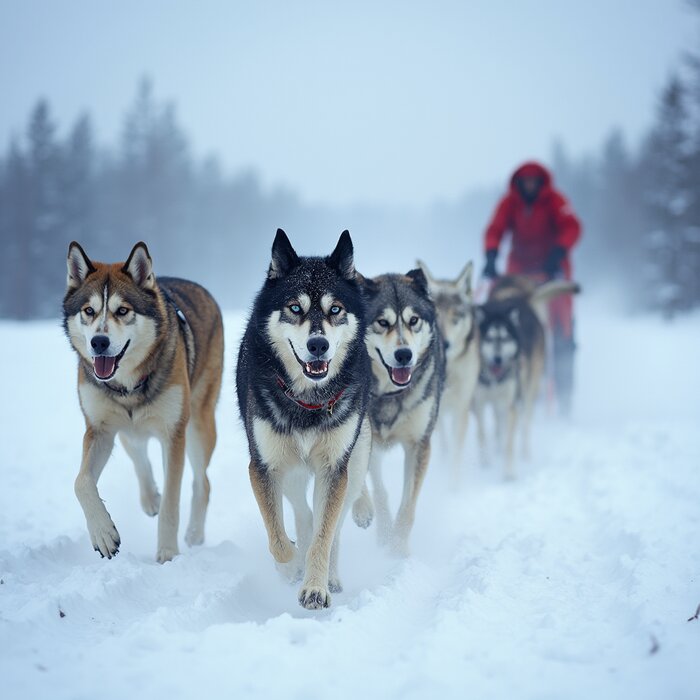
[490,267]
[552,265]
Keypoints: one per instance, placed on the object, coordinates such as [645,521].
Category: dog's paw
[150,502]
[334,585]
[166,554]
[314,597]
[194,536]
[105,538]
[283,552]
[363,512]
[292,571]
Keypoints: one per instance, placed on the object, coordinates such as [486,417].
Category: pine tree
[44,194]
[666,173]
[78,190]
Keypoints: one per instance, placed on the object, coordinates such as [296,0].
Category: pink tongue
[104,366]
[401,375]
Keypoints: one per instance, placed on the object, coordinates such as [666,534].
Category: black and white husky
[303,383]
[512,359]
[408,373]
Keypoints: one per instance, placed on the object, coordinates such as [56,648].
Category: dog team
[334,368]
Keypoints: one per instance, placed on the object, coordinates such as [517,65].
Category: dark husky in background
[150,361]
[408,372]
[512,347]
[303,382]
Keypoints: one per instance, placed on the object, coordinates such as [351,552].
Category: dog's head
[499,339]
[111,313]
[454,304]
[400,327]
[313,309]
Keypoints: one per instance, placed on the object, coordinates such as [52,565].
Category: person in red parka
[543,231]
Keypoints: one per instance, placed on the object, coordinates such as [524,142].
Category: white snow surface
[575,581]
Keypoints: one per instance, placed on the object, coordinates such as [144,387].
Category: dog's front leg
[380,497]
[268,493]
[97,446]
[478,408]
[330,487]
[169,515]
[511,419]
[415,467]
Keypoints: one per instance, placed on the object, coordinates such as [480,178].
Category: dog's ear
[79,266]
[284,257]
[368,286]
[139,266]
[514,315]
[464,281]
[422,266]
[419,281]
[342,258]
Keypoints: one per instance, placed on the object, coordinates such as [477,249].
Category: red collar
[328,405]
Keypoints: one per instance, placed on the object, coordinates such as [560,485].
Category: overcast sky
[386,102]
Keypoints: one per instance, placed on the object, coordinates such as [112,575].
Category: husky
[456,317]
[150,358]
[303,382]
[408,374]
[512,349]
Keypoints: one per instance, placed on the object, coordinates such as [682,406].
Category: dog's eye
[335,310]
[295,309]
[413,320]
[89,311]
[383,322]
[122,311]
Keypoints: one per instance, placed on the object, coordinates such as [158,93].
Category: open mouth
[106,366]
[316,369]
[497,370]
[400,376]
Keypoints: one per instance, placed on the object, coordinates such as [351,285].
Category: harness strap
[185,328]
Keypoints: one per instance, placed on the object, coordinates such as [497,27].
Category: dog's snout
[403,356]
[99,344]
[317,345]
[498,360]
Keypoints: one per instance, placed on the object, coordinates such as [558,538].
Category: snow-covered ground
[575,581]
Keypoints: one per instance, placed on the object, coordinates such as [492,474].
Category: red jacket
[535,227]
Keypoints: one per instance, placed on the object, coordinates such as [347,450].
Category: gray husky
[408,373]
[303,382]
[456,316]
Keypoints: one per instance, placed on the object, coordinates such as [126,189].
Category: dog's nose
[497,360]
[317,345]
[99,344]
[403,356]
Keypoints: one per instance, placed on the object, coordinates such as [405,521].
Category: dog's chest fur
[150,419]
[407,416]
[313,447]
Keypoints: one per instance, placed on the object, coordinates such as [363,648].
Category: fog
[201,133]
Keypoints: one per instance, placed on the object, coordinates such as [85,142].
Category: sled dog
[408,373]
[456,317]
[150,359]
[303,382]
[512,359]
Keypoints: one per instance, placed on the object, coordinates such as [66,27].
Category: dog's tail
[550,290]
